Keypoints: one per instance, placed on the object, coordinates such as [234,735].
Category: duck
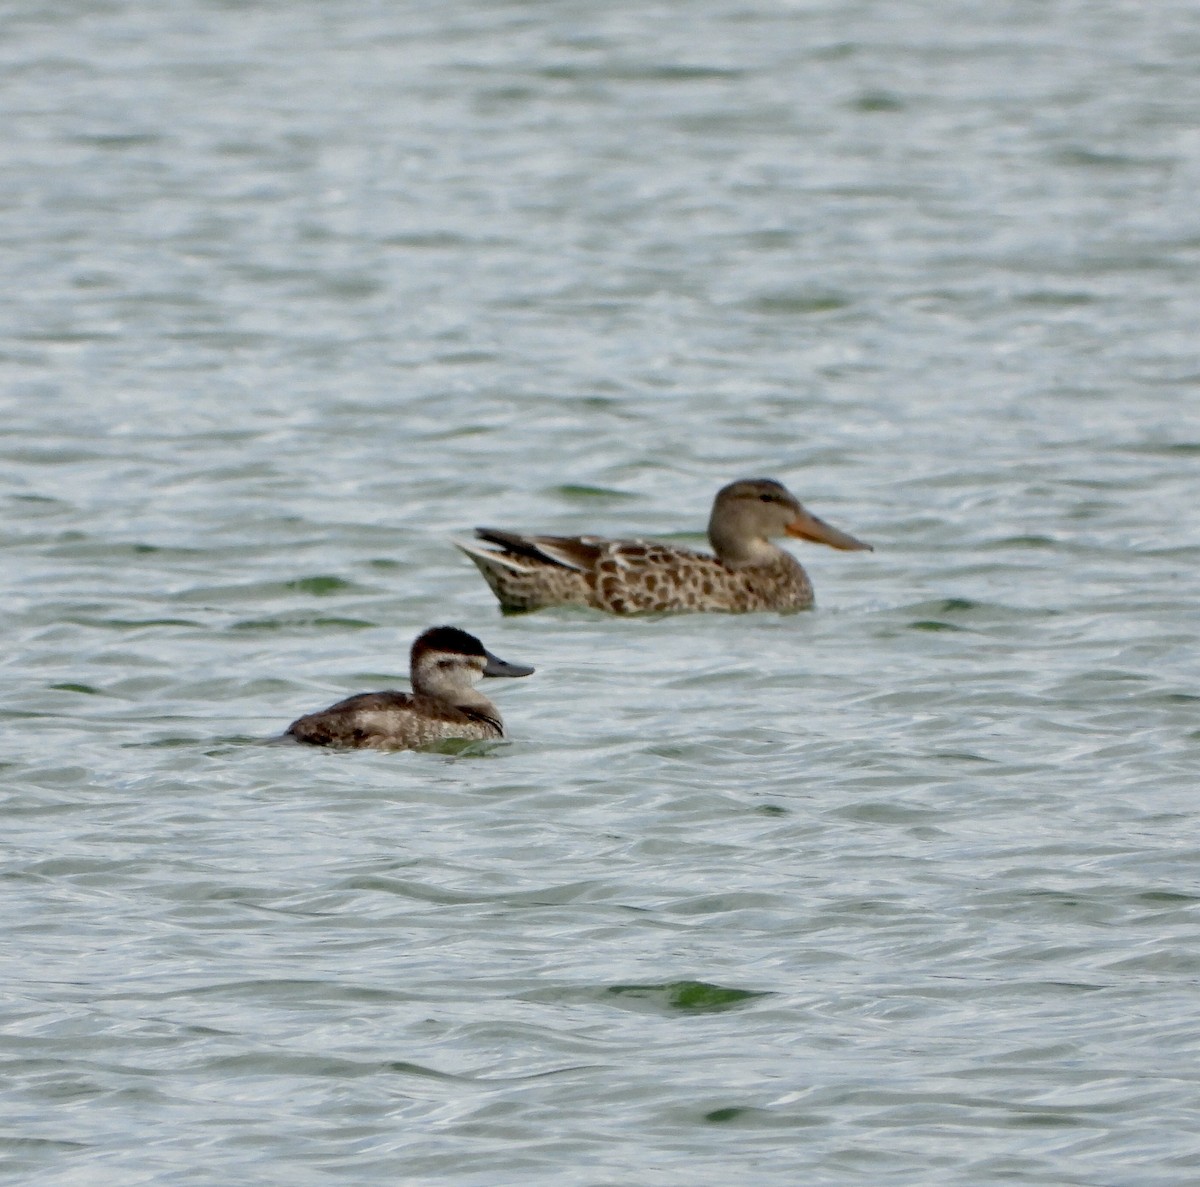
[445,664]
[747,572]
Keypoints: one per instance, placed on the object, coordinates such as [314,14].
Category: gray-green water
[904,891]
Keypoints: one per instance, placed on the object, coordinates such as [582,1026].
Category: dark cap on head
[451,639]
[447,638]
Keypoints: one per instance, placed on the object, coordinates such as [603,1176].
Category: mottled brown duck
[444,666]
[747,573]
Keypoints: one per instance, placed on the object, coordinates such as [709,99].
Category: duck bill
[809,527]
[496,666]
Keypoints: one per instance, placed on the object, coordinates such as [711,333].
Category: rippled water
[901,891]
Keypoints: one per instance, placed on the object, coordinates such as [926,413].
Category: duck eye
[766,498]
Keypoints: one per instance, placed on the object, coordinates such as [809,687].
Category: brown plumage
[444,665]
[748,572]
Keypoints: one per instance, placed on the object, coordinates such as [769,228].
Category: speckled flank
[534,585]
[642,577]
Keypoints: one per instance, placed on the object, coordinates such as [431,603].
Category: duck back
[393,720]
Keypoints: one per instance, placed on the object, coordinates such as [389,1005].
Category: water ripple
[902,890]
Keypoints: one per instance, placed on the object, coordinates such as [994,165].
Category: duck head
[748,514]
[446,662]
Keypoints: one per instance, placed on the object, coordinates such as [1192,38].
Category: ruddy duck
[444,665]
[747,573]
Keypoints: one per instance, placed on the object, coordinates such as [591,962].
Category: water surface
[903,890]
